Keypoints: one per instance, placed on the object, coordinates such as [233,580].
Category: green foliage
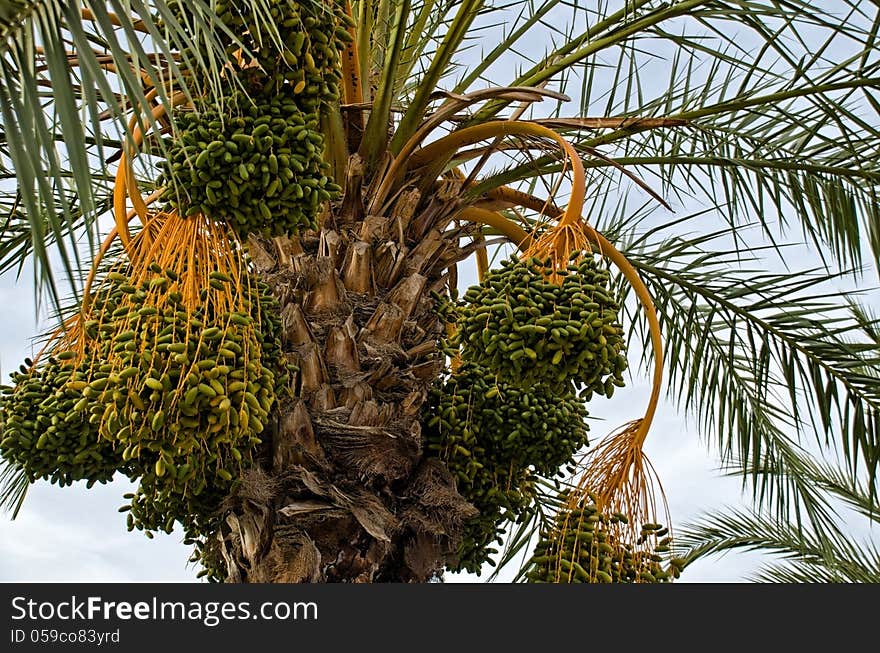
[767,362]
[795,552]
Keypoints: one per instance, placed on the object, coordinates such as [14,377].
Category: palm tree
[415,153]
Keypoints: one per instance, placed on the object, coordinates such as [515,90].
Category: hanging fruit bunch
[191,373]
[161,376]
[195,369]
[51,428]
[255,159]
[548,323]
[494,437]
[528,329]
[301,49]
[259,165]
[584,545]
[528,337]
[533,427]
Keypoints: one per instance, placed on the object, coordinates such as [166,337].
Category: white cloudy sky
[74,534]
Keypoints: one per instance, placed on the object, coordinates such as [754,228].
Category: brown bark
[345,492]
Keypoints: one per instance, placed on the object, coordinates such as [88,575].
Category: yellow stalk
[351,77]
[514,233]
[447,110]
[105,246]
[125,183]
[352,87]
[513,197]
[629,272]
[137,25]
[480,241]
[482,259]
[447,146]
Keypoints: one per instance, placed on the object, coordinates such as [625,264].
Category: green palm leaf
[767,362]
[804,554]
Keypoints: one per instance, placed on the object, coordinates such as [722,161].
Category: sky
[74,534]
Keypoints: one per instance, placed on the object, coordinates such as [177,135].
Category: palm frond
[843,486]
[376,132]
[767,362]
[68,74]
[452,40]
[430,21]
[14,485]
[776,101]
[806,557]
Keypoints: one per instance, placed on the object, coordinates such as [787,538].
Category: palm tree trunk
[345,493]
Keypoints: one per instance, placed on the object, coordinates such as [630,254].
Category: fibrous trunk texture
[345,491]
